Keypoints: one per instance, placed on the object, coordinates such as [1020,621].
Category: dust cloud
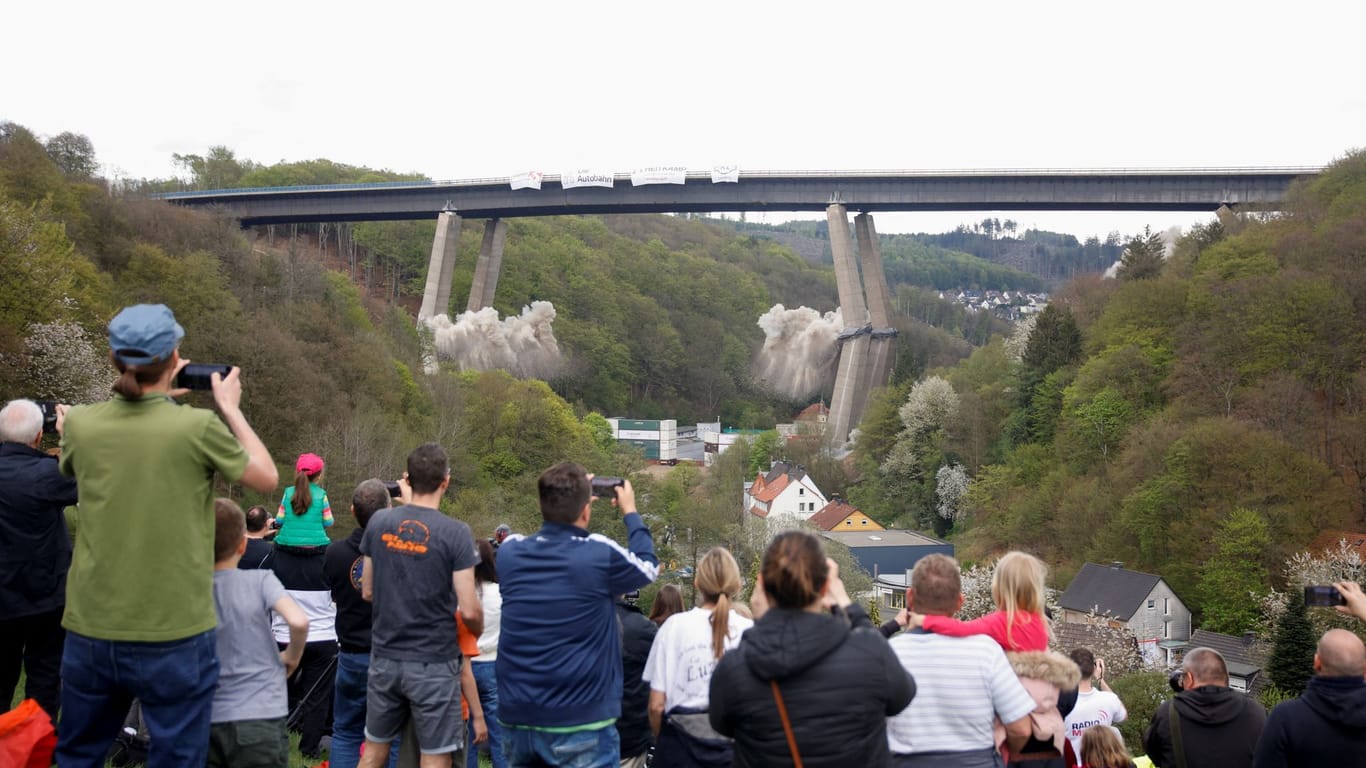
[800,350]
[523,345]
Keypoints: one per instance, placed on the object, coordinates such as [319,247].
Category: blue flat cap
[144,333]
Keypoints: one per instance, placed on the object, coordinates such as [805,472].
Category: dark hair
[794,570]
[369,497]
[428,467]
[936,584]
[1086,662]
[229,528]
[132,378]
[564,491]
[303,494]
[487,569]
[668,601]
[257,518]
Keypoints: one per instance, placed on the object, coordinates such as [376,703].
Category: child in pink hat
[305,512]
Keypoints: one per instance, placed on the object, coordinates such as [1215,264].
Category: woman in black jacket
[814,656]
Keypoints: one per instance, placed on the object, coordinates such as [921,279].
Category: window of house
[863,522]
[1166,606]
[1152,604]
[1166,630]
[801,491]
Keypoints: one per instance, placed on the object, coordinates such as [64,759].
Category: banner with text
[722,174]
[587,178]
[661,174]
[528,180]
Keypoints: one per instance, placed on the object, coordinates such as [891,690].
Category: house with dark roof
[1244,657]
[889,557]
[840,515]
[1143,602]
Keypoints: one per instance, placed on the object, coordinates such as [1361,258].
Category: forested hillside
[1189,418]
[657,316]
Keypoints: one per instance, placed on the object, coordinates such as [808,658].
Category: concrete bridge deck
[1181,189]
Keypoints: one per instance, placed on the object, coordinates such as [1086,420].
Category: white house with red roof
[784,497]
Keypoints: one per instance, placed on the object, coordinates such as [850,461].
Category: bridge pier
[436,297]
[851,392]
[883,342]
[490,263]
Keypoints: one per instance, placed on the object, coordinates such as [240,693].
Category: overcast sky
[458,90]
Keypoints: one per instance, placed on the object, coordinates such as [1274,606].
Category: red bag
[27,738]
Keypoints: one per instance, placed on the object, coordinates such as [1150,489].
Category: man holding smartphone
[559,655]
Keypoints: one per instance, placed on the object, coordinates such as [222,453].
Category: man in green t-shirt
[139,609]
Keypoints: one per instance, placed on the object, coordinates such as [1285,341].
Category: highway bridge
[867,344]
[1179,189]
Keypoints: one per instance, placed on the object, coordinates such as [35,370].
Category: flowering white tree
[1019,337]
[932,405]
[65,364]
[951,484]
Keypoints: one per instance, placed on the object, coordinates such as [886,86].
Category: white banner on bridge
[722,174]
[528,180]
[664,174]
[587,178]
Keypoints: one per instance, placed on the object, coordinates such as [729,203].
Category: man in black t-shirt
[260,530]
[418,570]
[342,568]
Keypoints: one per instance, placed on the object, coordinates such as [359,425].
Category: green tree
[1292,654]
[218,168]
[1233,581]
[1142,256]
[73,153]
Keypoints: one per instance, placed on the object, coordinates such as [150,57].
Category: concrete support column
[436,297]
[883,343]
[850,395]
[490,263]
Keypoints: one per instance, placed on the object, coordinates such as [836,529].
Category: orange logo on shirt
[411,538]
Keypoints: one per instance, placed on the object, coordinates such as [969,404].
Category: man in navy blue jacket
[559,654]
[35,552]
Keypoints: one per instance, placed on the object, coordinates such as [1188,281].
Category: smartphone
[49,409]
[1322,597]
[197,375]
[394,490]
[606,487]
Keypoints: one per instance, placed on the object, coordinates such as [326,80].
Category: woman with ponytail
[305,512]
[681,661]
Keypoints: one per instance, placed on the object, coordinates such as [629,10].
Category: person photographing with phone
[140,614]
[559,663]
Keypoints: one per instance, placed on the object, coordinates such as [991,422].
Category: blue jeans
[173,680]
[488,699]
[527,748]
[348,711]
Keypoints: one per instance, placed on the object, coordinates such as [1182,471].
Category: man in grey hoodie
[1326,725]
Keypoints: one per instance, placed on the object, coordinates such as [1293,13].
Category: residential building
[1143,602]
[889,556]
[840,515]
[785,496]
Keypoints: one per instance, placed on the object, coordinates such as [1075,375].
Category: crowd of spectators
[414,642]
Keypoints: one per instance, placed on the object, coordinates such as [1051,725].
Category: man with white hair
[35,552]
[1326,725]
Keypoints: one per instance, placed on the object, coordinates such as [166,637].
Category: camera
[1175,678]
[198,376]
[392,486]
[49,409]
[1323,597]
[606,487]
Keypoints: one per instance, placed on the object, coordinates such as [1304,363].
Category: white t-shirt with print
[1094,707]
[681,659]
